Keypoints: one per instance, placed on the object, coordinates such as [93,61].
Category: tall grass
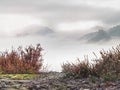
[108,65]
[77,70]
[27,60]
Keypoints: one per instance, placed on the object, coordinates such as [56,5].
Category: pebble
[58,83]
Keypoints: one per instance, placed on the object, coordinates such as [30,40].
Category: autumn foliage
[27,60]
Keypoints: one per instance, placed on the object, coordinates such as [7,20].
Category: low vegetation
[77,70]
[27,62]
[107,66]
[19,76]
[21,61]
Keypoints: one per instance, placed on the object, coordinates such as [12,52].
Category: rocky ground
[55,81]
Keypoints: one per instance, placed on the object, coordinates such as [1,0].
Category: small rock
[85,82]
[109,84]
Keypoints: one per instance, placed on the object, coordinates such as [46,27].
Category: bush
[109,63]
[109,77]
[78,70]
[21,61]
[107,66]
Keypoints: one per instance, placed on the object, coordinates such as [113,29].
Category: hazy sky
[56,24]
[60,15]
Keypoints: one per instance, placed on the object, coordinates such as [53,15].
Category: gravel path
[55,81]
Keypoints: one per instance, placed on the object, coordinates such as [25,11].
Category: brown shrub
[108,65]
[78,70]
[28,60]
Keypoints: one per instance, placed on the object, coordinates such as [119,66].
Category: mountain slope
[97,36]
[115,31]
[36,30]
[103,35]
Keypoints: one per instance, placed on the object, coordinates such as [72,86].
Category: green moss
[109,78]
[92,79]
[19,76]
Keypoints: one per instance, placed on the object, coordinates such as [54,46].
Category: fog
[66,29]
[56,52]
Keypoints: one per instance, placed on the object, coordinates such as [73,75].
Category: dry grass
[77,70]
[108,65]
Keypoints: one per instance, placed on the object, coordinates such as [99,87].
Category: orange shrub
[21,61]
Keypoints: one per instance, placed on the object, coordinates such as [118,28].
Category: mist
[66,29]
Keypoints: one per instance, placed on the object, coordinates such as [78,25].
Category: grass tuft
[107,66]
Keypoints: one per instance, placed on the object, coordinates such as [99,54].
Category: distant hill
[44,31]
[115,31]
[102,35]
[36,30]
[97,36]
